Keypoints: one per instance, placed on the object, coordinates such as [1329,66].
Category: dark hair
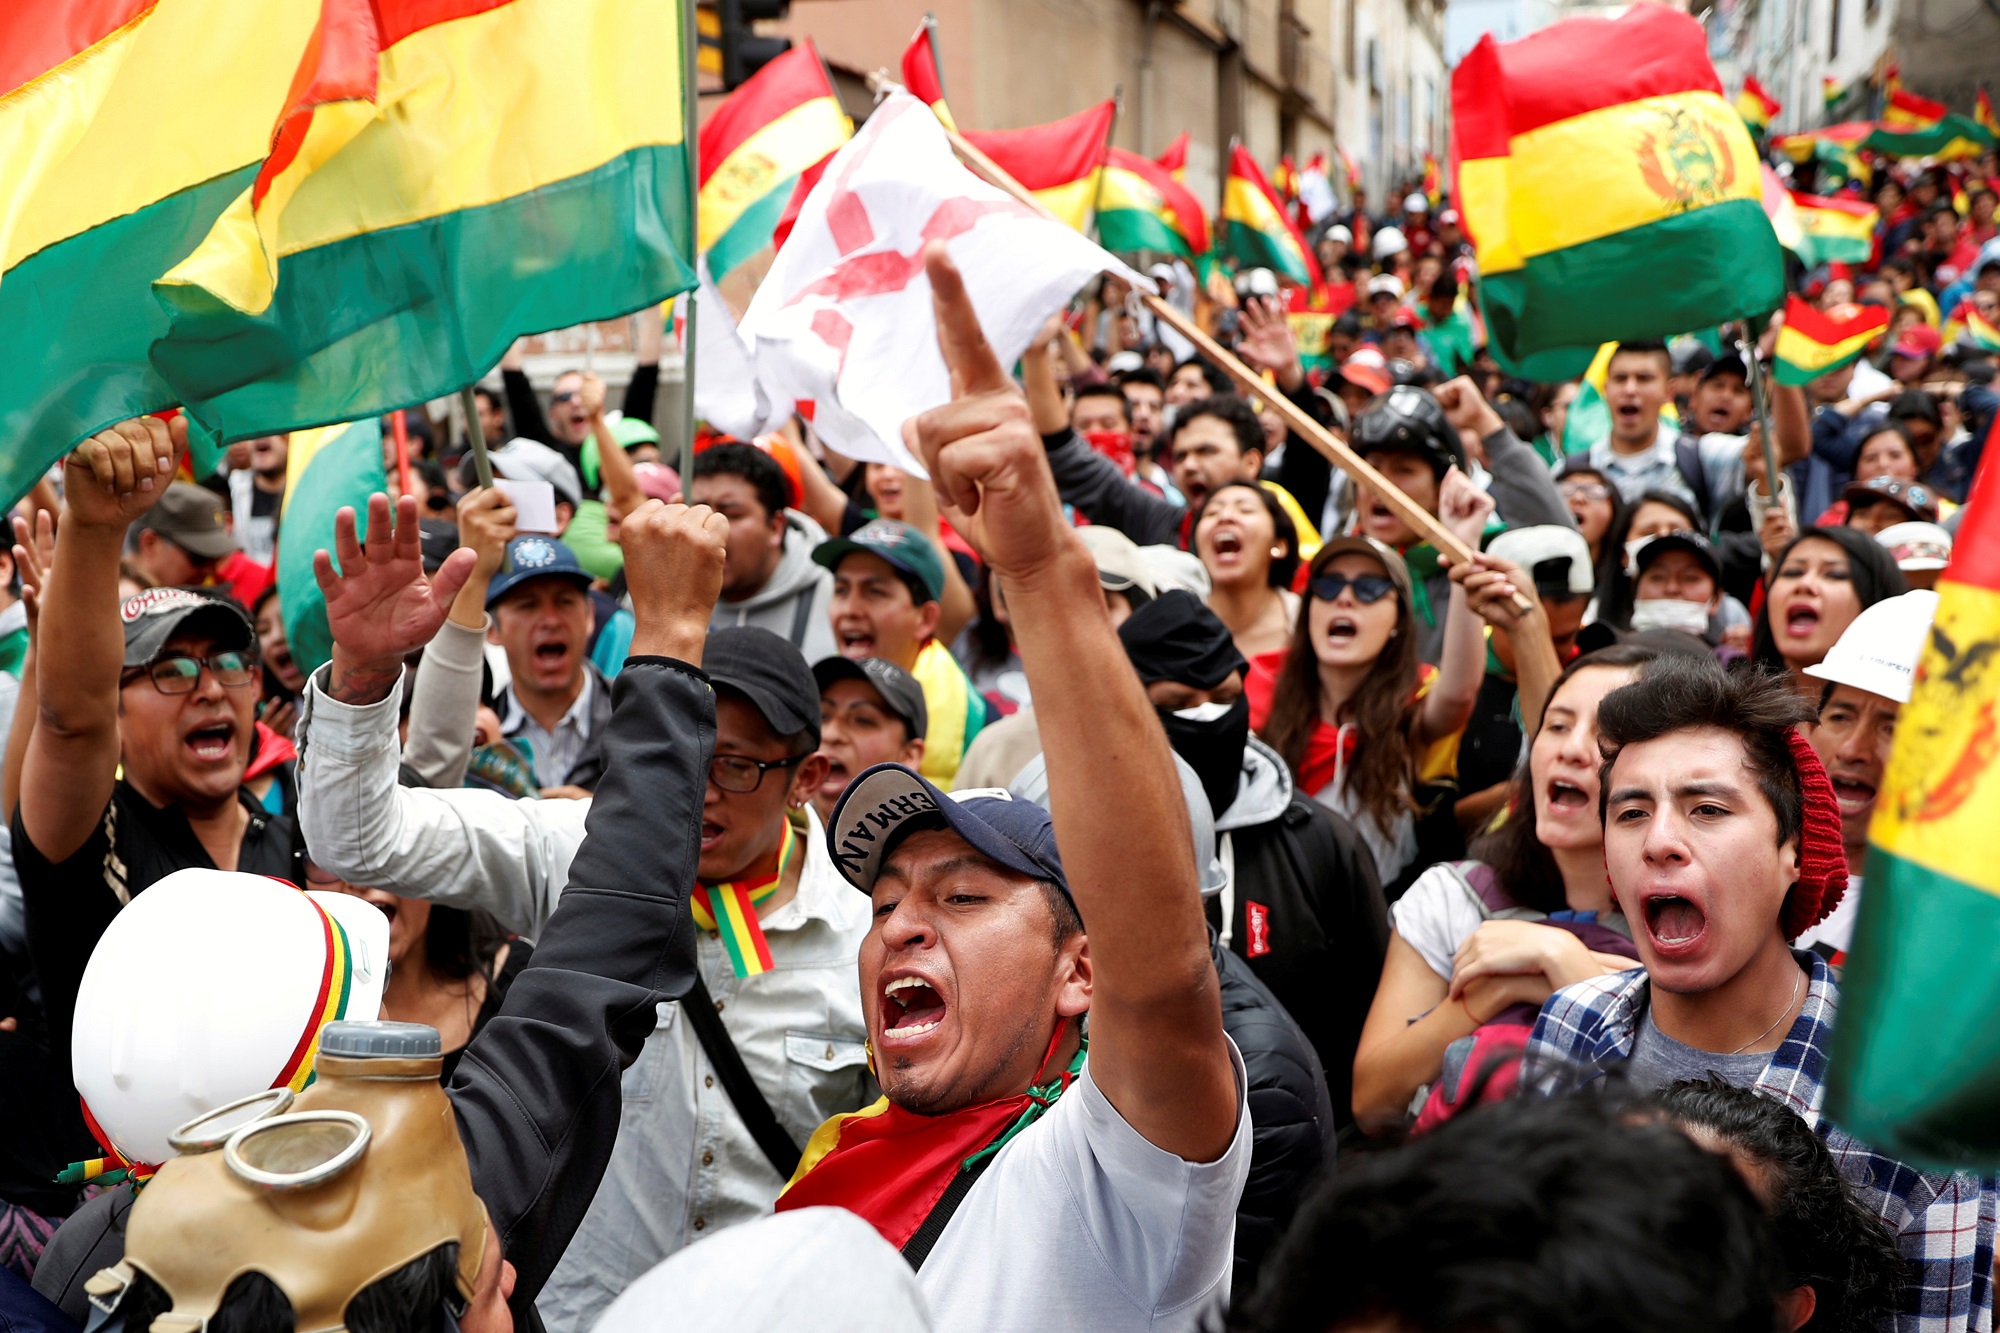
[1555,1215]
[1915,405]
[1685,693]
[1349,323]
[1445,285]
[1232,411]
[1063,916]
[1384,711]
[1616,586]
[1283,568]
[492,397]
[1610,558]
[1895,428]
[1140,375]
[411,1299]
[1518,417]
[1110,391]
[1871,569]
[1828,1240]
[1650,346]
[753,465]
[1218,379]
[1527,870]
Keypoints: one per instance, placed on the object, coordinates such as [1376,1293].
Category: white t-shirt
[1435,917]
[1080,1223]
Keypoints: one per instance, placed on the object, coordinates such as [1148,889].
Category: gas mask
[324,1193]
[1211,738]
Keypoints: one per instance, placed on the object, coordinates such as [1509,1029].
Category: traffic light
[743,51]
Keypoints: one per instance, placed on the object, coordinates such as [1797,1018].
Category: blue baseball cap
[535,557]
[888,802]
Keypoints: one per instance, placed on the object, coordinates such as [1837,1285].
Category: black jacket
[538,1092]
[1291,1113]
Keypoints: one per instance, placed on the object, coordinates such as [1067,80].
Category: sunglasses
[571,396]
[1368,588]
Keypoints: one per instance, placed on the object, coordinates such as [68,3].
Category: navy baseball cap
[535,557]
[889,802]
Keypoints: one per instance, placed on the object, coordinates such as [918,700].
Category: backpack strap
[925,1238]
[1687,458]
[1482,886]
[744,1094]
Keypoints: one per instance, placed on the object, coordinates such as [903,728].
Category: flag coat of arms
[753,150]
[844,316]
[1586,178]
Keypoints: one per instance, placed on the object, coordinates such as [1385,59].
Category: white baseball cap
[210,986]
[1385,283]
[1916,545]
[1880,650]
[1531,546]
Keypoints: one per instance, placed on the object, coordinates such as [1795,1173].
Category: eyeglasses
[732,772]
[180,674]
[1586,490]
[1368,588]
[565,397]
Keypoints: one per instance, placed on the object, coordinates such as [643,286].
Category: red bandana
[890,1166]
[1822,854]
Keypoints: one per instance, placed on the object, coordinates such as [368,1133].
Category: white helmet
[1879,652]
[210,986]
[1388,241]
[1416,203]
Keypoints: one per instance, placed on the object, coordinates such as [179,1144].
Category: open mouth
[910,1008]
[711,834]
[212,744]
[855,644]
[1854,794]
[1801,621]
[1627,415]
[1227,543]
[1341,630]
[836,777]
[1675,923]
[1567,796]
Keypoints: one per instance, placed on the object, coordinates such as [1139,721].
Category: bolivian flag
[754,147]
[1813,342]
[1058,162]
[1756,106]
[1907,111]
[325,468]
[1915,1070]
[1982,113]
[1952,138]
[1142,207]
[1256,230]
[1174,159]
[1835,230]
[1830,92]
[447,175]
[1609,198]
[126,127]
[921,72]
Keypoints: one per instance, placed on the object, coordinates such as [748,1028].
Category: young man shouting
[1722,838]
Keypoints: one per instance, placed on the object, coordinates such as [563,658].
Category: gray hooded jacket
[793,601]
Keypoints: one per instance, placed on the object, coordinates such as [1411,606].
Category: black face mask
[1213,747]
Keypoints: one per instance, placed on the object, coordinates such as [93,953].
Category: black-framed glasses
[1368,588]
[180,674]
[733,772]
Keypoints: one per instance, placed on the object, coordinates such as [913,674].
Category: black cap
[1682,539]
[1690,357]
[157,614]
[890,801]
[899,689]
[768,671]
[1728,364]
[1409,419]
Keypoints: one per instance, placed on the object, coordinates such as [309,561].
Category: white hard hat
[1880,650]
[1339,233]
[1416,203]
[1916,545]
[1388,241]
[210,986]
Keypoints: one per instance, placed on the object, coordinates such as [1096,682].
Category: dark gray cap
[768,671]
[157,614]
[190,517]
[898,688]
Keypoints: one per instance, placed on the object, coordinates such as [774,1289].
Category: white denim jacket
[684,1164]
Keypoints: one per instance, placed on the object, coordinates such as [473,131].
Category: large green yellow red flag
[1915,1069]
[1609,198]
[1257,230]
[1058,162]
[778,125]
[447,175]
[1142,207]
[126,127]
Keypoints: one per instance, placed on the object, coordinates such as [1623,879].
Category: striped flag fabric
[1907,111]
[1142,207]
[1835,230]
[1952,138]
[1583,176]
[1982,113]
[1830,92]
[1058,162]
[326,467]
[921,73]
[1348,166]
[1433,180]
[1981,332]
[1915,1067]
[1784,213]
[110,175]
[755,147]
[1757,107]
[1815,342]
[437,185]
[1257,231]
[1174,159]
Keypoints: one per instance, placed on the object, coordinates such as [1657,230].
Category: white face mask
[1208,712]
[1670,613]
[1632,552]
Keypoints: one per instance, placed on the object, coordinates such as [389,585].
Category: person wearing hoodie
[1300,900]
[771,581]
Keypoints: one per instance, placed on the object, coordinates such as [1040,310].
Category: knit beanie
[1822,855]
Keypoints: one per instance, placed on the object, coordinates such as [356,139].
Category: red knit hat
[1822,854]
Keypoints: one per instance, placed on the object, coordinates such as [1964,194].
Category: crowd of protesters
[1132,869]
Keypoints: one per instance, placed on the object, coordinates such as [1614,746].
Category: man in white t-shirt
[1035,1176]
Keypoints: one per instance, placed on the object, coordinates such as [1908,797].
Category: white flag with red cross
[844,315]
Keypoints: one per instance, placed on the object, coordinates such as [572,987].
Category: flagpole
[1250,382]
[1104,158]
[937,60]
[1747,349]
[690,101]
[482,465]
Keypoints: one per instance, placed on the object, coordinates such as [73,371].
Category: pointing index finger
[967,355]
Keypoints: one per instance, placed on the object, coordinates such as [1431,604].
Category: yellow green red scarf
[729,911]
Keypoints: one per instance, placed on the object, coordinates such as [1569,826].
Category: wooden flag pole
[482,465]
[1419,519]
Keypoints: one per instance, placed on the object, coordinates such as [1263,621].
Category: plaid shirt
[1943,1224]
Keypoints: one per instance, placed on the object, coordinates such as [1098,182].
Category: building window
[1833,34]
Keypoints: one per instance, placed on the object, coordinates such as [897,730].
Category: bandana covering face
[891,1166]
